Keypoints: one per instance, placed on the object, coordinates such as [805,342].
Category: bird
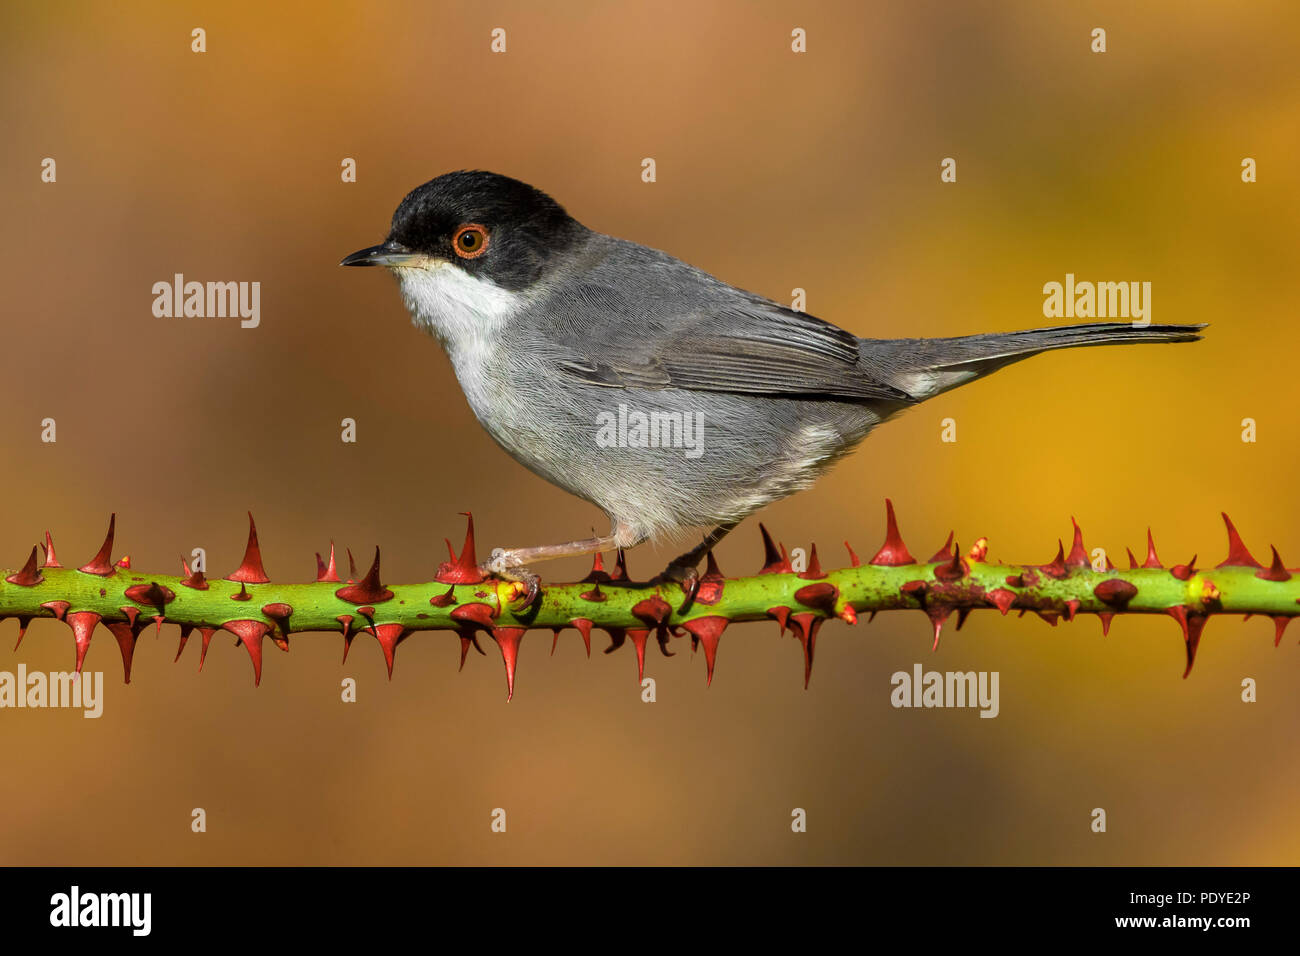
[661,394]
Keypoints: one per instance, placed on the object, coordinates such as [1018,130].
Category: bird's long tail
[925,367]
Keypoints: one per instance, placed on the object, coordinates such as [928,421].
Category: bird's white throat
[463,311]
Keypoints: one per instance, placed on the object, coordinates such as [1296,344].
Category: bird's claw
[688,578]
[527,585]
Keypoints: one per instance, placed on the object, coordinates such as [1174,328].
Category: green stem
[127,600]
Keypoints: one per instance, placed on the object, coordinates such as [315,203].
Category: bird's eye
[470,241]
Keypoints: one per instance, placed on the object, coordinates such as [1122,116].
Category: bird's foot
[687,576]
[502,564]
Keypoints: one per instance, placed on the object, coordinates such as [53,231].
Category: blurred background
[775,170]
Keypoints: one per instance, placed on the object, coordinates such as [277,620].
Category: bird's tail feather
[925,367]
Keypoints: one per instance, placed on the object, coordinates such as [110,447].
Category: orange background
[775,170]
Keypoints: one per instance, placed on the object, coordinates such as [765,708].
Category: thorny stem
[459,599]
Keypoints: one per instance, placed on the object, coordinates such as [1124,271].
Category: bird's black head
[491,226]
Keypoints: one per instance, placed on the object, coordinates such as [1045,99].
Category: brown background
[775,171]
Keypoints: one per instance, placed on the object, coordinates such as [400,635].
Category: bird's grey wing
[727,341]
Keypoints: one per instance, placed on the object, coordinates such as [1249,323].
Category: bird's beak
[386,254]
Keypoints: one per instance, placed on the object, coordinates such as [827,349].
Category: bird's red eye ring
[470,241]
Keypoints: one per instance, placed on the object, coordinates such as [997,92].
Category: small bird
[657,392]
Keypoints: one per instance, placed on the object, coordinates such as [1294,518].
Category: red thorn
[620,566]
[1115,591]
[638,636]
[1183,572]
[584,628]
[1238,554]
[389,636]
[595,595]
[1051,617]
[473,613]
[1026,579]
[1280,621]
[50,560]
[346,621]
[555,638]
[597,568]
[152,594]
[327,572]
[83,626]
[132,613]
[893,552]
[508,639]
[1105,618]
[196,580]
[654,610]
[1109,564]
[774,561]
[279,613]
[186,630]
[368,590]
[250,634]
[962,614]
[23,621]
[250,570]
[1275,572]
[444,600]
[101,564]
[953,570]
[937,616]
[159,620]
[821,596]
[1192,624]
[914,589]
[29,576]
[126,637]
[1132,561]
[205,633]
[944,553]
[853,556]
[806,627]
[123,562]
[814,565]
[57,608]
[243,594]
[352,566]
[1078,556]
[1001,598]
[1057,568]
[463,569]
[708,631]
[1152,561]
[711,583]
[780,614]
[711,570]
[467,637]
[1072,608]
